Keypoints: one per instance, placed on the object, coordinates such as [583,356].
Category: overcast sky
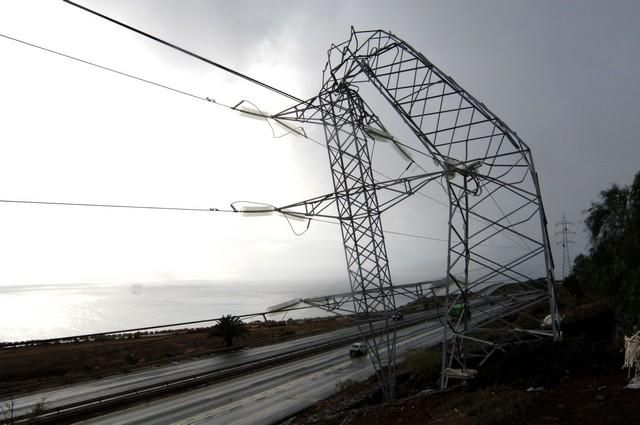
[562,74]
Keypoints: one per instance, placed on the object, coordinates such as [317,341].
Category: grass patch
[425,364]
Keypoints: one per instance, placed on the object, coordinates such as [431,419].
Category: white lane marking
[281,388]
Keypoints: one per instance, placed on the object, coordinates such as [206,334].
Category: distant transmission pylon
[565,242]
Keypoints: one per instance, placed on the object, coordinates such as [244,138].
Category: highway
[270,395]
[243,393]
[118,384]
[275,394]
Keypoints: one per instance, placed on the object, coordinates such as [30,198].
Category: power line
[210,62]
[192,95]
[187,52]
[410,235]
[160,208]
[183,92]
[154,83]
[195,96]
[164,86]
[106,68]
[413,235]
[83,204]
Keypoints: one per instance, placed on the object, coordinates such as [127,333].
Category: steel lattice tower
[484,168]
[565,232]
[486,171]
[344,117]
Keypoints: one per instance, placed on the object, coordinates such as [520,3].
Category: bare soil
[577,381]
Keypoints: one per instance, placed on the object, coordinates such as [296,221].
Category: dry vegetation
[574,382]
[29,368]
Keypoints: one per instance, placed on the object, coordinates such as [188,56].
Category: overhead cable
[261,209]
[203,98]
[195,96]
[106,68]
[84,204]
[187,52]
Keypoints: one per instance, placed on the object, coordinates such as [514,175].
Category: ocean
[52,311]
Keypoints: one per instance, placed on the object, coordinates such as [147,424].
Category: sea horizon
[59,310]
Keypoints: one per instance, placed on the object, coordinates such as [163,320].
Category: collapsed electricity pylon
[346,120]
[485,169]
[345,117]
[492,187]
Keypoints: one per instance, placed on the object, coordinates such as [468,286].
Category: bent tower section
[487,175]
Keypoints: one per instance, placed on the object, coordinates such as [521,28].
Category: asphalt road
[259,397]
[271,395]
[118,383]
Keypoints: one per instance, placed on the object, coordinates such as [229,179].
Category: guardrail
[123,398]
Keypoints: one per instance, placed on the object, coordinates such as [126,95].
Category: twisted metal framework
[342,303]
[344,116]
[485,169]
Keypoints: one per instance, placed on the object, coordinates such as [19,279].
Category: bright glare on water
[39,312]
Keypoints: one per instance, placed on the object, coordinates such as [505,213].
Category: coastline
[36,367]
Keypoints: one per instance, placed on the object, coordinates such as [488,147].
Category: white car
[358,349]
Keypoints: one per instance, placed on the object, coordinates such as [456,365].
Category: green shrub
[426,364]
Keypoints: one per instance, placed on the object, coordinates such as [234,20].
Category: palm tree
[228,327]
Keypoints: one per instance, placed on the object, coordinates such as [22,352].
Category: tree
[611,270]
[228,328]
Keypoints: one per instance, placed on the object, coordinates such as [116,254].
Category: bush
[425,364]
[345,384]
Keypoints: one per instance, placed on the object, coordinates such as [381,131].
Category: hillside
[576,381]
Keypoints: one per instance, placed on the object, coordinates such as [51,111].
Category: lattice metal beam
[488,177]
[345,118]
[491,183]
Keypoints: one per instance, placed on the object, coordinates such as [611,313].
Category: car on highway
[459,310]
[358,349]
[397,316]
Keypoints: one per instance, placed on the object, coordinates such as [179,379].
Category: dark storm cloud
[230,32]
[564,75]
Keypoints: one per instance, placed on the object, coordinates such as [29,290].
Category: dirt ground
[25,369]
[577,381]
[594,398]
